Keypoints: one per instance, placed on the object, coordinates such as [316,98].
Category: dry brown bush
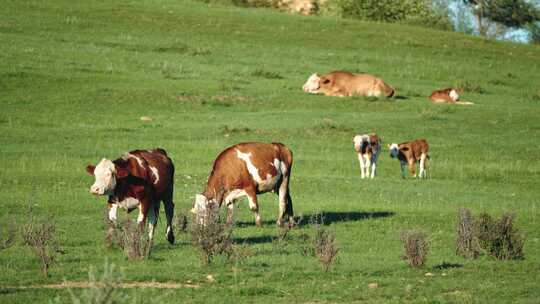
[324,243]
[415,246]
[40,235]
[133,239]
[213,237]
[467,241]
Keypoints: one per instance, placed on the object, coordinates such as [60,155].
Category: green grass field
[76,76]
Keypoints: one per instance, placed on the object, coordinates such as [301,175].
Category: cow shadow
[308,219]
[328,217]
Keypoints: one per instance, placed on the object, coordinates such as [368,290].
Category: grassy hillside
[75,78]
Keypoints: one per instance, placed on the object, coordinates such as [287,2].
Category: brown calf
[248,169]
[139,179]
[448,95]
[341,83]
[409,153]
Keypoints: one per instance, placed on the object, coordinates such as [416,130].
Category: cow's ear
[90,169]
[405,149]
[121,172]
[325,80]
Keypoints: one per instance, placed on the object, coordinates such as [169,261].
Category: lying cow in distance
[367,147]
[248,169]
[449,95]
[341,83]
[409,153]
[139,179]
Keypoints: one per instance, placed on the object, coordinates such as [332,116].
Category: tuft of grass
[500,239]
[470,86]
[7,235]
[40,235]
[324,243]
[181,223]
[212,238]
[266,74]
[416,247]
[467,241]
[133,239]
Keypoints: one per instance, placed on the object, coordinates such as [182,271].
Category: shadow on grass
[446,265]
[254,239]
[329,218]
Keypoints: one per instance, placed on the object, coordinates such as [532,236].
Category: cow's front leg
[368,164]
[113,208]
[373,165]
[362,165]
[152,221]
[403,164]
[254,206]
[422,172]
[230,213]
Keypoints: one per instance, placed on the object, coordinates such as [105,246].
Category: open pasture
[76,77]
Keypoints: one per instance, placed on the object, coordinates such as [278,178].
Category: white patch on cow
[312,84]
[155,173]
[454,95]
[112,212]
[204,209]
[129,203]
[233,195]
[246,157]
[140,217]
[127,156]
[105,179]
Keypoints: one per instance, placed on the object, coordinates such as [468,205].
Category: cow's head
[204,209]
[394,150]
[360,141]
[106,174]
[454,95]
[312,85]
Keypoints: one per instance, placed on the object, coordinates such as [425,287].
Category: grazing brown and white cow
[139,180]
[409,153]
[368,147]
[248,169]
[341,83]
[448,95]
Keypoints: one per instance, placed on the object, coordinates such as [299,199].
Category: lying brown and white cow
[368,147]
[341,83]
[409,153]
[248,169]
[139,180]
[448,95]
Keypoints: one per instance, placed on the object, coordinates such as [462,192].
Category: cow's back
[154,166]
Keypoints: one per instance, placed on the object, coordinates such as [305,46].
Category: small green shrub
[212,238]
[415,246]
[500,239]
[133,239]
[7,235]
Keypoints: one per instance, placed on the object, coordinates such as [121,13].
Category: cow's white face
[204,209]
[312,85]
[105,182]
[454,95]
[394,150]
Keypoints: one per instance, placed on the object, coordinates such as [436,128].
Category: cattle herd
[141,179]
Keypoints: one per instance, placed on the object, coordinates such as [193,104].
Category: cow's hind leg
[285,202]
[169,213]
[422,173]
[368,164]
[152,217]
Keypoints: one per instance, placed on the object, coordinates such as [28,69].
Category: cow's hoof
[258,222]
[170,237]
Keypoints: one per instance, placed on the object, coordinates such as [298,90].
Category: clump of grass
[104,288]
[133,240]
[467,242]
[500,239]
[471,87]
[266,74]
[536,96]
[415,246]
[40,235]
[7,235]
[324,243]
[181,223]
[212,238]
